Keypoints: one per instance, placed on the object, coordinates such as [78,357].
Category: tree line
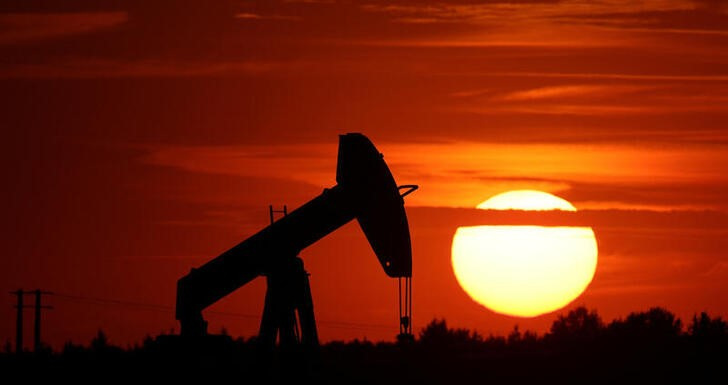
[652,346]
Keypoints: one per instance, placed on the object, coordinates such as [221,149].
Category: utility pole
[19,320]
[37,344]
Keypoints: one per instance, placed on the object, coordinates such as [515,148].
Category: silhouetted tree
[521,340]
[437,334]
[654,323]
[514,336]
[648,347]
[579,325]
[706,328]
[709,335]
[529,337]
[495,343]
[656,330]
[69,348]
[100,344]
[148,342]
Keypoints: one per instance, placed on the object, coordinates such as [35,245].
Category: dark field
[651,347]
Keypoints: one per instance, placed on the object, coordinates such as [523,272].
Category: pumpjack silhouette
[365,191]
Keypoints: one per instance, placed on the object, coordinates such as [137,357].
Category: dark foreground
[645,348]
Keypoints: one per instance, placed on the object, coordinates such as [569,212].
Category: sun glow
[524,271]
[526,200]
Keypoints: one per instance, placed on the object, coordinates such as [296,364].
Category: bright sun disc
[524,271]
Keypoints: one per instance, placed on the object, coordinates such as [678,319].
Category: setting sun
[524,271]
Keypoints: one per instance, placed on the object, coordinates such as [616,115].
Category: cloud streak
[571,91]
[17,28]
[463,174]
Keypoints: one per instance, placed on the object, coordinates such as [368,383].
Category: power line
[171,309]
[109,301]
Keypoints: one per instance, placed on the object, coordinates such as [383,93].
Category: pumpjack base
[288,310]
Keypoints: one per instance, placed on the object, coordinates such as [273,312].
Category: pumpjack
[365,191]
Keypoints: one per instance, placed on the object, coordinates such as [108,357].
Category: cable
[108,301]
[170,309]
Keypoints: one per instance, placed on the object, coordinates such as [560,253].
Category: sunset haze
[144,138]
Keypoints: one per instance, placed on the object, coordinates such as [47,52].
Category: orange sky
[144,138]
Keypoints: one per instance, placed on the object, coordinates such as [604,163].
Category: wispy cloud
[591,109]
[609,76]
[531,34]
[160,68]
[463,174]
[570,91]
[651,96]
[673,15]
[18,28]
[257,16]
[500,11]
[573,24]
